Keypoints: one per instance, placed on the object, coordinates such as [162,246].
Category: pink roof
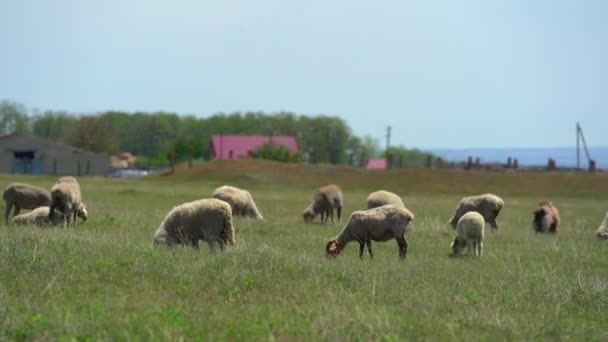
[238,146]
[376,164]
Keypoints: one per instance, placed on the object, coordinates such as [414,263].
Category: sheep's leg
[369,248]
[339,214]
[7,211]
[494,225]
[332,216]
[480,247]
[361,246]
[402,246]
[322,216]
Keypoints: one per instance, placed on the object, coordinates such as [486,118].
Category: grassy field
[105,280]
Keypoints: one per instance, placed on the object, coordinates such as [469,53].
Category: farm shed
[22,153]
[239,146]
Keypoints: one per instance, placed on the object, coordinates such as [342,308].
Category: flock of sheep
[210,220]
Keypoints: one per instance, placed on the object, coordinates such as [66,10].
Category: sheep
[546,218]
[324,202]
[240,201]
[40,217]
[602,231]
[209,220]
[377,224]
[469,233]
[383,197]
[24,196]
[67,199]
[488,205]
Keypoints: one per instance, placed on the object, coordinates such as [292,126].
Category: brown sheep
[324,202]
[546,218]
[24,196]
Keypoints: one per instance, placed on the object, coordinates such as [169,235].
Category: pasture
[105,280]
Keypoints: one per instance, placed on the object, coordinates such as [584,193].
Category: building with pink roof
[241,146]
[376,164]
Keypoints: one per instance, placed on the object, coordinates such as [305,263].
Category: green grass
[105,280]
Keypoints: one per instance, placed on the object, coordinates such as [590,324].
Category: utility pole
[388,137]
[578,148]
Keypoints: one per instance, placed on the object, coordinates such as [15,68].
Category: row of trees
[320,138]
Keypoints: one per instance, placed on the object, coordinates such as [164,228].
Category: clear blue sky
[444,74]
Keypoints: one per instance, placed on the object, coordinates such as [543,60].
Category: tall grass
[105,280]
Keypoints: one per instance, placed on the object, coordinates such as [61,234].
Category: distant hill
[564,156]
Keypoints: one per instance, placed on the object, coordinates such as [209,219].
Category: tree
[91,133]
[13,118]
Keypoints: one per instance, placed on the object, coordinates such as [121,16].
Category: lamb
[602,231]
[209,220]
[24,196]
[240,201]
[67,199]
[377,224]
[324,202]
[383,197]
[546,218]
[40,217]
[488,205]
[469,233]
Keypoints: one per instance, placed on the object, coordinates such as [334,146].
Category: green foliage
[411,158]
[105,280]
[321,139]
[13,118]
[274,152]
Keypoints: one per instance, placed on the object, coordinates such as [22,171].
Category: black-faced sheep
[209,220]
[469,233]
[240,201]
[602,231]
[383,197]
[377,224]
[66,198]
[40,217]
[324,202]
[488,205]
[546,218]
[24,196]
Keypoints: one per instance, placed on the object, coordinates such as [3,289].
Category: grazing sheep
[488,205]
[240,201]
[546,218]
[67,199]
[324,202]
[383,197]
[24,196]
[40,217]
[209,220]
[469,233]
[377,224]
[602,231]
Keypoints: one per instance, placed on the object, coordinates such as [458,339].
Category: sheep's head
[82,212]
[458,245]
[333,248]
[308,214]
[539,214]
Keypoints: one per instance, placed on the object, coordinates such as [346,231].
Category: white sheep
[382,197]
[40,217]
[209,220]
[469,233]
[324,202]
[67,199]
[377,224]
[240,201]
[602,231]
[488,205]
[23,196]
